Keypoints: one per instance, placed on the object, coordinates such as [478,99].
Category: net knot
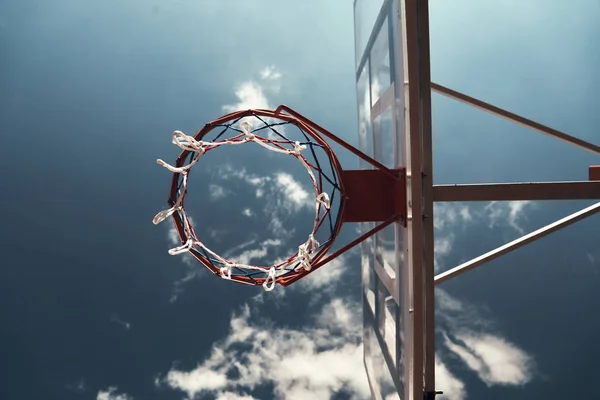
[298,148]
[269,283]
[226,271]
[164,214]
[183,248]
[247,130]
[188,142]
[305,250]
[323,198]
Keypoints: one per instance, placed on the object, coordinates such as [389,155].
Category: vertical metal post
[417,248]
[427,187]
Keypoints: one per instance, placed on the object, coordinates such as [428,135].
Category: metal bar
[515,118]
[389,282]
[575,190]
[353,243]
[427,182]
[515,244]
[383,11]
[594,173]
[415,197]
[382,343]
[383,103]
[335,138]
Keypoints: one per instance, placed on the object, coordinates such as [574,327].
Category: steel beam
[576,190]
[515,118]
[515,244]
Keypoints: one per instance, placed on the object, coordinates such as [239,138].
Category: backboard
[392,303]
[394,126]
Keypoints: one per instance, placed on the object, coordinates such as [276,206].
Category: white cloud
[272,77]
[337,316]
[494,359]
[312,363]
[281,195]
[216,192]
[465,213]
[453,388]
[442,247]
[247,212]
[447,215]
[296,196]
[111,394]
[192,273]
[251,94]
[447,218]
[234,396]
[286,358]
[200,379]
[468,336]
[508,213]
[247,256]
[328,275]
[270,73]
[317,362]
[452,217]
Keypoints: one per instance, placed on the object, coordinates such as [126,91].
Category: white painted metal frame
[575,190]
[419,197]
[503,192]
[418,304]
[382,328]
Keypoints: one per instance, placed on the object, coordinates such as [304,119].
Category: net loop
[269,283]
[188,143]
[226,272]
[164,214]
[183,248]
[323,199]
[305,250]
[247,130]
[298,148]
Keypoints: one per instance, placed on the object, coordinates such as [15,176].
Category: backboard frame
[413,372]
[408,96]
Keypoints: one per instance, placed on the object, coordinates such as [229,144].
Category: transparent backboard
[381,127]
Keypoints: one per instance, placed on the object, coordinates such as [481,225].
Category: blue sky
[92,305]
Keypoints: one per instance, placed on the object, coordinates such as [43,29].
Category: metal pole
[515,244]
[427,193]
[515,118]
[584,190]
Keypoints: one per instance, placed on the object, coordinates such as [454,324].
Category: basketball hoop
[376,195]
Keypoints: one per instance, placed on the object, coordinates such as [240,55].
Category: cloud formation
[319,361]
[111,394]
[313,363]
[450,218]
[281,195]
[509,212]
[471,337]
[216,192]
[252,93]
